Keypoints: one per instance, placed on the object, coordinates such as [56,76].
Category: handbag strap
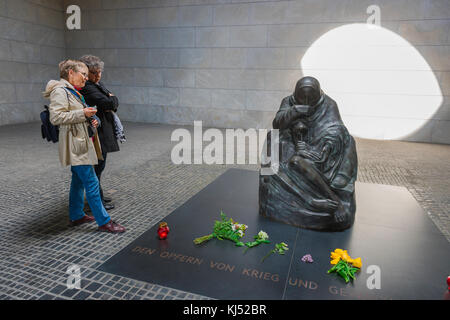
[78,96]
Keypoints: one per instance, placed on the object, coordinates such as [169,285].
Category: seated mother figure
[314,186]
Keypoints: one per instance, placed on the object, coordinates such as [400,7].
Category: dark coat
[96,94]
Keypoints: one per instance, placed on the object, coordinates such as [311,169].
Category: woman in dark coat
[96,94]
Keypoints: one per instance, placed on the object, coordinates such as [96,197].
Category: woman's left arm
[95,97]
[326,150]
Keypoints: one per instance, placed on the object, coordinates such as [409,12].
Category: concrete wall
[226,62]
[229,62]
[31,45]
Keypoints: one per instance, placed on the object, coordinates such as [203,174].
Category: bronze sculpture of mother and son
[314,187]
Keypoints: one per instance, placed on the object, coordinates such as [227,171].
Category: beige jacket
[66,111]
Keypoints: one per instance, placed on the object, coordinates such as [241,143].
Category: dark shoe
[108,206]
[107,199]
[85,219]
[112,227]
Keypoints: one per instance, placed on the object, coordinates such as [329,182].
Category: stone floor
[38,246]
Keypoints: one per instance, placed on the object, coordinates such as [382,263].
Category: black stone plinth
[391,231]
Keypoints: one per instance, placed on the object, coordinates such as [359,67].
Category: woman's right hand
[89,112]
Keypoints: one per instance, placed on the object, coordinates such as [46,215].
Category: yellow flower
[339,254]
[335,261]
[345,256]
[334,255]
[357,263]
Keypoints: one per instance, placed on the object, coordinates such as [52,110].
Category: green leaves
[223,216]
[255,243]
[345,270]
[203,239]
[261,237]
[280,248]
[226,228]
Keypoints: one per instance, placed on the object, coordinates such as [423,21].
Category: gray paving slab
[38,246]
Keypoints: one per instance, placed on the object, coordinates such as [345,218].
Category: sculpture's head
[307,91]
[299,130]
[299,126]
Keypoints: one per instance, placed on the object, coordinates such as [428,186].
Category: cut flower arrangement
[344,265]
[229,229]
[280,248]
[261,237]
[225,229]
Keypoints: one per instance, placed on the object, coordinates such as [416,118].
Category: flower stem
[270,252]
[203,239]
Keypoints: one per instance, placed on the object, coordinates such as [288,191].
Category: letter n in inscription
[303,283]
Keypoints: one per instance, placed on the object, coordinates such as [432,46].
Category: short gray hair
[93,63]
[69,64]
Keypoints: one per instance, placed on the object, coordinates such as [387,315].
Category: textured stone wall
[31,45]
[229,62]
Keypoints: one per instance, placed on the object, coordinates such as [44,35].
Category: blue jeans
[84,177]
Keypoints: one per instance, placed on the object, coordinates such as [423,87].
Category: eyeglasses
[96,73]
[84,74]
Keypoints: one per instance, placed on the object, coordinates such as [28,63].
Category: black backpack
[48,130]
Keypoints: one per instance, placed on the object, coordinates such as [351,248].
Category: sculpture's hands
[305,151]
[326,150]
[301,145]
[311,155]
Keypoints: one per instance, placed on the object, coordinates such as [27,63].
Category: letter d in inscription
[74,280]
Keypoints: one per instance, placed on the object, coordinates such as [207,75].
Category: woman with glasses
[77,146]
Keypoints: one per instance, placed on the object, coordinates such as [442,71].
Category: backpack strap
[77,96]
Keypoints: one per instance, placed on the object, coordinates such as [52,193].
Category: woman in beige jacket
[69,111]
